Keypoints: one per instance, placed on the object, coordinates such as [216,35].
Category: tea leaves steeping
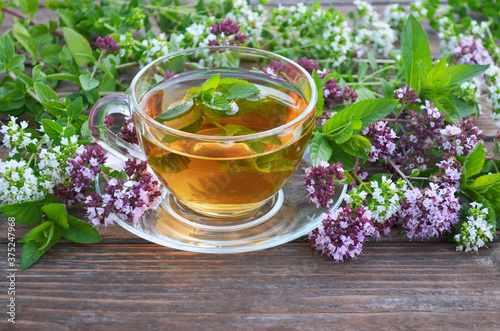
[221,175]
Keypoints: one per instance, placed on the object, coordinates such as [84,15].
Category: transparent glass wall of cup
[213,174]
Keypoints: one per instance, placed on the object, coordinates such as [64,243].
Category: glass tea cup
[223,164]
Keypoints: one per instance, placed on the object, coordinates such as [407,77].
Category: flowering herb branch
[397,109]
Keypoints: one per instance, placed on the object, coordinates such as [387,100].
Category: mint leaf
[52,236]
[57,213]
[462,73]
[30,254]
[52,129]
[414,49]
[8,58]
[35,233]
[23,36]
[29,212]
[170,163]
[218,103]
[483,183]
[237,88]
[319,88]
[75,109]
[320,149]
[341,126]
[78,46]
[81,232]
[474,161]
[266,163]
[367,112]
[54,107]
[211,83]
[463,108]
[176,112]
[29,7]
[44,92]
[88,83]
[357,146]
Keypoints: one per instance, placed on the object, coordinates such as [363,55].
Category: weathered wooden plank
[288,287]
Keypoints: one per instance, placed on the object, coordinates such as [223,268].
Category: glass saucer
[291,216]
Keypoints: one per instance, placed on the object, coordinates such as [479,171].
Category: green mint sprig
[213,100]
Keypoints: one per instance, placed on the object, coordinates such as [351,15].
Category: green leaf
[35,233]
[85,132]
[368,112]
[169,163]
[29,212]
[68,17]
[56,212]
[54,107]
[50,55]
[64,76]
[77,44]
[29,7]
[219,103]
[446,106]
[211,83]
[321,98]
[237,88]
[474,161]
[176,112]
[75,109]
[44,92]
[363,68]
[52,129]
[10,100]
[8,59]
[462,73]
[496,148]
[53,234]
[23,36]
[320,149]
[81,232]
[463,108]
[88,83]
[30,254]
[414,49]
[483,183]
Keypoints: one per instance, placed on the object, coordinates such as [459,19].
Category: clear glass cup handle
[108,140]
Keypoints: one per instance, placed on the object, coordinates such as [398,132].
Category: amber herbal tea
[232,164]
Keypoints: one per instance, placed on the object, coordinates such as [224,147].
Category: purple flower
[406,96]
[331,92]
[429,212]
[127,201]
[382,140]
[450,173]
[109,121]
[423,131]
[460,138]
[226,28]
[348,96]
[82,170]
[213,42]
[320,182]
[471,51]
[107,44]
[342,233]
[309,65]
[278,70]
[241,38]
[167,74]
[128,132]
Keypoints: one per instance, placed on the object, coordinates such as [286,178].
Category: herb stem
[400,172]
[379,71]
[376,60]
[127,65]
[17,14]
[364,84]
[96,65]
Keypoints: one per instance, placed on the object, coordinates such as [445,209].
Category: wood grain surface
[126,283]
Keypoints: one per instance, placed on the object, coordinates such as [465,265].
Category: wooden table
[126,283]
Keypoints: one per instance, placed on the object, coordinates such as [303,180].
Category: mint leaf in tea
[220,175]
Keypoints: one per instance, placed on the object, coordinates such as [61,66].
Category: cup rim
[271,132]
